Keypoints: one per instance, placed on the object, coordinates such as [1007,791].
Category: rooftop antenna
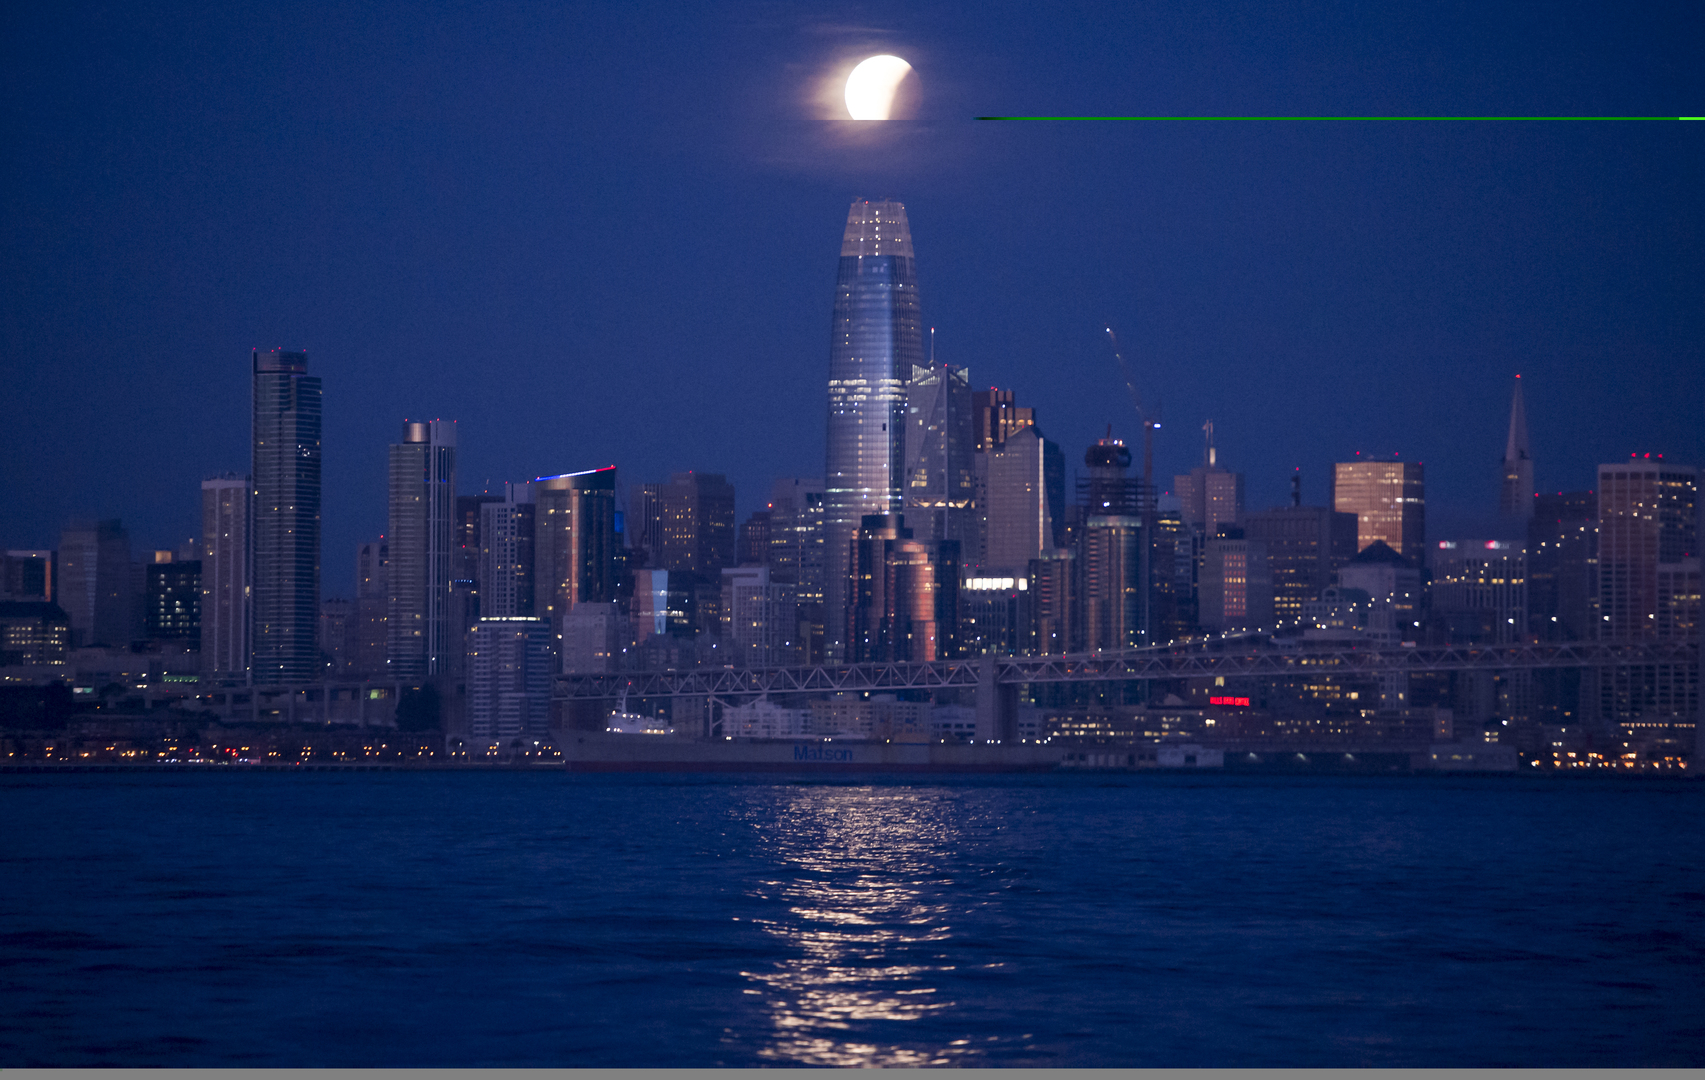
[1296,487]
[1209,428]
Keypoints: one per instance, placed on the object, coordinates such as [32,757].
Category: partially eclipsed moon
[871,87]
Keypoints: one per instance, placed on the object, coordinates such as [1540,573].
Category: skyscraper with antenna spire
[1515,500]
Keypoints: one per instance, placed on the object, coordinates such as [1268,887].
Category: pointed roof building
[1516,497]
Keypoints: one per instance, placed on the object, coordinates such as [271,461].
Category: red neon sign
[1236,701]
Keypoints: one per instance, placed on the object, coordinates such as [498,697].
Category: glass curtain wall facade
[424,554]
[940,458]
[574,542]
[877,339]
[1389,499]
[286,536]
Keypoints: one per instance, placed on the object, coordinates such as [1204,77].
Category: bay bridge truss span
[1229,659]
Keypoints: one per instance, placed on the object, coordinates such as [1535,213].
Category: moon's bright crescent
[871,86]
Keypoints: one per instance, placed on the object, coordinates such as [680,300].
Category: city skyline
[456,227]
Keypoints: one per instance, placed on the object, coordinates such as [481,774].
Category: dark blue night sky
[609,235]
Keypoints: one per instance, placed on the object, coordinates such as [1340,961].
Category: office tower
[594,637]
[645,524]
[574,539]
[752,546]
[172,607]
[796,557]
[876,341]
[469,542]
[1113,597]
[1305,546]
[33,633]
[904,594]
[650,610]
[992,615]
[337,636]
[1052,622]
[28,575]
[696,524]
[227,506]
[462,608]
[1562,566]
[1562,598]
[1209,495]
[510,665]
[423,550]
[372,607]
[759,624]
[507,553]
[1515,499]
[1172,569]
[1649,587]
[1479,591]
[1389,501]
[940,491]
[285,527]
[1021,501]
[995,415]
[95,582]
[1236,589]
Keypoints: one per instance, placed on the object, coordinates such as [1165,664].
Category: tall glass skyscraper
[877,341]
[422,550]
[286,537]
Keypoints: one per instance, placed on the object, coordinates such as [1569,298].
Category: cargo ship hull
[604,752]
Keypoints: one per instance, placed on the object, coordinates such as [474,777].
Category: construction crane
[1146,494]
[1145,423]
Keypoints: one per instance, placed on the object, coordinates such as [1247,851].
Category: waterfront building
[876,341]
[574,523]
[172,601]
[1389,501]
[95,582]
[285,527]
[423,549]
[1305,546]
[510,666]
[507,538]
[227,506]
[940,491]
[1649,590]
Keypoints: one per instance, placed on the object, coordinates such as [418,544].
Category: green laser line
[1339,118]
